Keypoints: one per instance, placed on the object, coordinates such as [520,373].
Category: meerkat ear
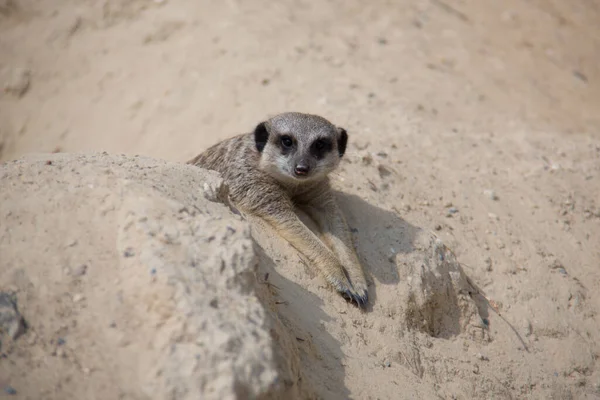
[342,141]
[261,136]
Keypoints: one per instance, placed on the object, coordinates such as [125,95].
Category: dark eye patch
[320,147]
[286,143]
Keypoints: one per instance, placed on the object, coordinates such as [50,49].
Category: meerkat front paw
[356,276]
[360,299]
[351,291]
[359,284]
[359,293]
[216,190]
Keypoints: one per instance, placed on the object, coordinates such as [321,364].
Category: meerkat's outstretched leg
[290,227]
[327,215]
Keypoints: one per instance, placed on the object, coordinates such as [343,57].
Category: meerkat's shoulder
[236,148]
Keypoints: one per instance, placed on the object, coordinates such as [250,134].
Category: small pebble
[579,75]
[481,357]
[383,171]
[488,264]
[491,194]
[60,341]
[77,298]
[10,390]
[392,255]
[80,270]
[451,211]
[534,337]
[448,204]
[359,145]
[528,328]
[11,320]
[493,216]
[129,252]
[438,227]
[556,264]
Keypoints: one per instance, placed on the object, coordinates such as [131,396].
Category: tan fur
[263,184]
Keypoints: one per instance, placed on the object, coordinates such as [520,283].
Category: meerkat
[284,163]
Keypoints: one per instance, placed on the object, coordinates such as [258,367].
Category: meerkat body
[284,164]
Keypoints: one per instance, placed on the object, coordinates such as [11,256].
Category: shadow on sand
[380,236]
[383,242]
[301,313]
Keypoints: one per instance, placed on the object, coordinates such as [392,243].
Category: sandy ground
[478,120]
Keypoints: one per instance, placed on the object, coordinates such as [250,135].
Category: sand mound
[132,284]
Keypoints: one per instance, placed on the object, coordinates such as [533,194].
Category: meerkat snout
[299,147]
[302,168]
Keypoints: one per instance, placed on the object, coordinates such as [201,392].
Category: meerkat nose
[301,169]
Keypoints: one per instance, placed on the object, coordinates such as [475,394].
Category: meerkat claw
[364,298]
[347,295]
[360,300]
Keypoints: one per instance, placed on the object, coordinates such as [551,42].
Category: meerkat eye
[287,141]
[320,144]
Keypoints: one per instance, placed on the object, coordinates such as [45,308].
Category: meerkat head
[299,147]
